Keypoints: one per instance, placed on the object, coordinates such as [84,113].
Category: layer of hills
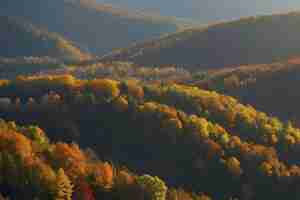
[122,131]
[96,28]
[252,40]
[265,86]
[19,38]
[199,140]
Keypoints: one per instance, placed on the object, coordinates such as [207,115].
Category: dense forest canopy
[265,86]
[198,135]
[270,87]
[34,168]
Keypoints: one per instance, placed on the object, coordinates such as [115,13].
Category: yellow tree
[64,186]
[233,165]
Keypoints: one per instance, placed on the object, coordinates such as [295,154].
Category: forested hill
[97,28]
[251,40]
[19,38]
[192,138]
[270,87]
[34,168]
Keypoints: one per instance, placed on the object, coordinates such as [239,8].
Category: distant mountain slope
[97,28]
[19,38]
[272,88]
[246,41]
[207,11]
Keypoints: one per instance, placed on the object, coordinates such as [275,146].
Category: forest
[269,87]
[184,135]
[31,167]
[105,102]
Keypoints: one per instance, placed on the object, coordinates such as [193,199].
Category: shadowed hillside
[97,28]
[19,38]
[272,88]
[34,168]
[246,41]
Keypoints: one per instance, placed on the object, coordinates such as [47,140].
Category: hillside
[12,67]
[19,38]
[34,168]
[191,138]
[270,87]
[121,71]
[265,86]
[96,28]
[252,40]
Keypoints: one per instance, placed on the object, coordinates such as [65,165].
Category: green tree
[156,188]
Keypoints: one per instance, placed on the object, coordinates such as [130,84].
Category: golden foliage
[105,88]
[233,165]
[104,174]
[64,185]
[121,104]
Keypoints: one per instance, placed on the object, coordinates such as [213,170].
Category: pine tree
[64,186]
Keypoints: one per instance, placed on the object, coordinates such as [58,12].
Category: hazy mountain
[207,11]
[19,38]
[97,28]
[246,41]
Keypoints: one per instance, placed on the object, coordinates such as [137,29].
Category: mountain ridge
[96,29]
[20,38]
[251,40]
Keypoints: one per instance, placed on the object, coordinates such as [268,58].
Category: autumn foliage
[182,134]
